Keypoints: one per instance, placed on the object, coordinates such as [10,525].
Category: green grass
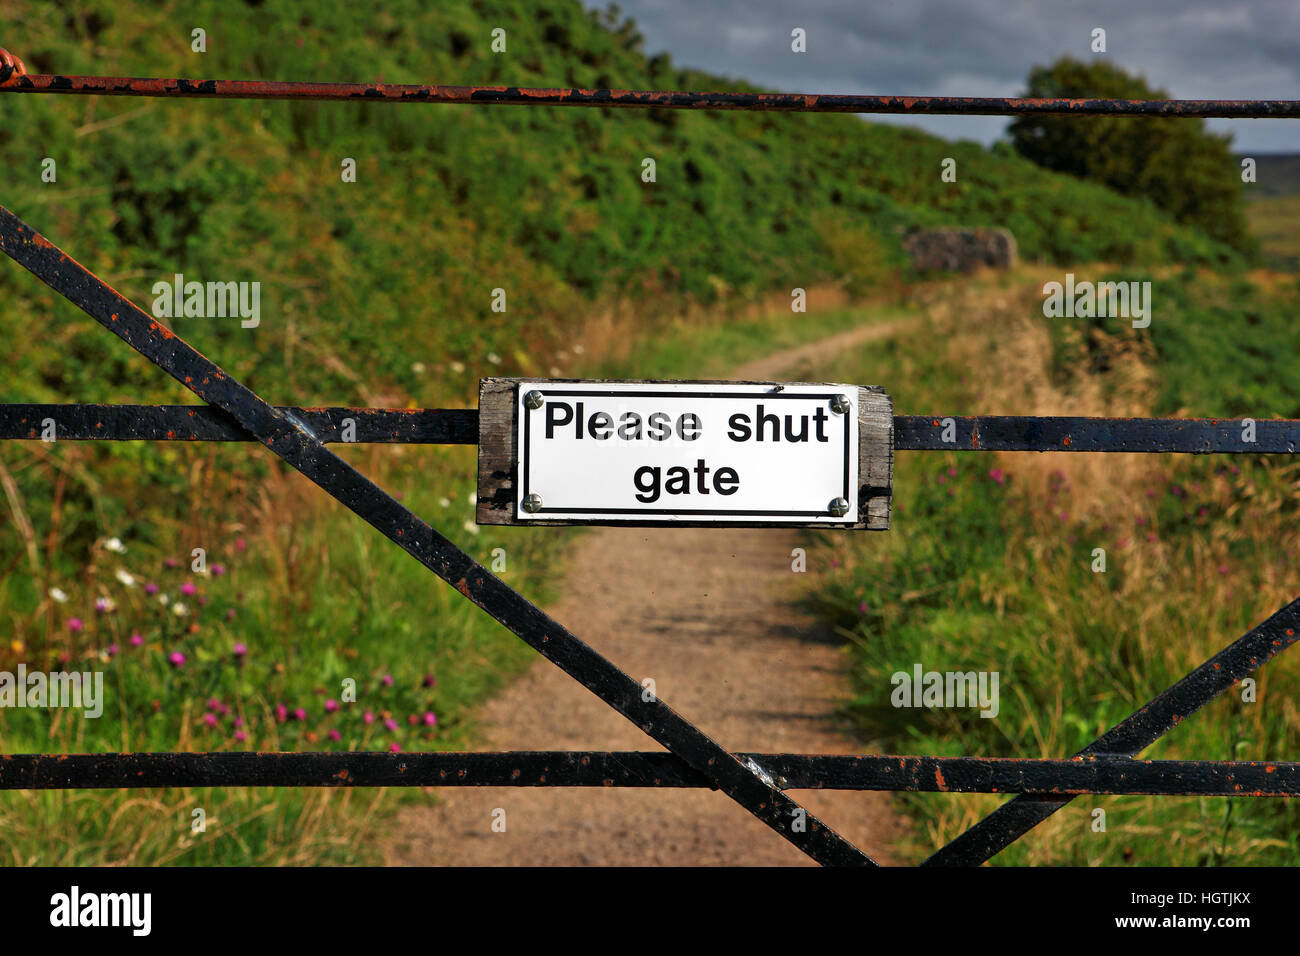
[1274,221]
[988,567]
[379,292]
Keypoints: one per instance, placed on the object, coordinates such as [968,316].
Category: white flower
[578,350]
[494,358]
[458,367]
[59,595]
[445,501]
[126,578]
[555,372]
[417,368]
[473,497]
[115,545]
[470,526]
[179,609]
[164,600]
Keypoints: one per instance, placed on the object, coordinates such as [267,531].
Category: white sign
[687,451]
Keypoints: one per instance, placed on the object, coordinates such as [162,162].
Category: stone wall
[960,250]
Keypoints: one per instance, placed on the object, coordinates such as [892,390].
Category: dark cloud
[1211,49]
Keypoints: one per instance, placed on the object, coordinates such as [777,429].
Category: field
[381,292]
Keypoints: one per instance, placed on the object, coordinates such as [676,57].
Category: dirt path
[705,613]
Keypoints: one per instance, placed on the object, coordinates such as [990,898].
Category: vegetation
[1173,162]
[379,292]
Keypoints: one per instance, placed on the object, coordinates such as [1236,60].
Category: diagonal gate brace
[292,440]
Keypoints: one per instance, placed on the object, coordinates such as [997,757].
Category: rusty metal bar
[293,441]
[439,426]
[426,426]
[1134,734]
[652,769]
[660,99]
[1197,436]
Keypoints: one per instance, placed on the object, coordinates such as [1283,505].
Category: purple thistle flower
[137,639]
[75,624]
[240,650]
[331,706]
[210,719]
[395,748]
[218,570]
[176,659]
[390,724]
[240,736]
[368,717]
[188,589]
[429,681]
[299,714]
[113,650]
[430,719]
[281,713]
[335,735]
[151,589]
[387,680]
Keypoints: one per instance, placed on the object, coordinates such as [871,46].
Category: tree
[1174,161]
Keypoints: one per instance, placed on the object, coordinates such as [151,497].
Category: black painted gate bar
[756,781]
[292,440]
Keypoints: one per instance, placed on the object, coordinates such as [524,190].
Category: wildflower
[75,624]
[387,680]
[137,639]
[179,609]
[998,475]
[210,719]
[230,614]
[395,748]
[413,719]
[218,570]
[417,368]
[390,724]
[105,605]
[335,735]
[942,479]
[240,736]
[578,350]
[457,367]
[952,472]
[444,501]
[17,646]
[1223,569]
[281,713]
[430,719]
[126,577]
[862,607]
[172,562]
[239,721]
[473,497]
[240,545]
[240,650]
[188,589]
[151,589]
[113,650]
[470,526]
[368,717]
[59,595]
[331,706]
[428,680]
[494,358]
[164,600]
[213,703]
[176,659]
[115,545]
[299,714]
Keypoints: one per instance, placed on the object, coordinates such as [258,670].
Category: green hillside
[380,292]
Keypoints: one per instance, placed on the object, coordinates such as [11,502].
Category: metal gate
[758,782]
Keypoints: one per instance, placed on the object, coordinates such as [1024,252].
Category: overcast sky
[1196,49]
